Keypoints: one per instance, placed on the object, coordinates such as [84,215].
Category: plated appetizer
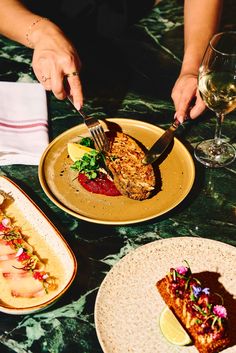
[37,265]
[118,172]
[23,271]
[200,312]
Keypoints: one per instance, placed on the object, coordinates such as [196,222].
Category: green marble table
[134,80]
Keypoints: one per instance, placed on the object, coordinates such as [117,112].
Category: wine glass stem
[219,121]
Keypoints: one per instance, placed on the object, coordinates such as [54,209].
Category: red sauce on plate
[100,185]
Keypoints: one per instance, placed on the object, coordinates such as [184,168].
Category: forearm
[201,21]
[54,56]
[20,24]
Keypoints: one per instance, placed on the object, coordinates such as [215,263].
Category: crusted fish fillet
[208,337]
[124,159]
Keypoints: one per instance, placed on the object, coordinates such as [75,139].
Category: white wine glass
[217,87]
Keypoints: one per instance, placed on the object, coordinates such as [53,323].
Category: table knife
[161,144]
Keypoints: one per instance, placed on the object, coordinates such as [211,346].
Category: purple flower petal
[196,291]
[206,291]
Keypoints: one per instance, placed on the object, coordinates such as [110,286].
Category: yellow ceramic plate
[175,178]
[128,305]
[48,243]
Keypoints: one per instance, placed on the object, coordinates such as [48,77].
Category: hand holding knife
[162,143]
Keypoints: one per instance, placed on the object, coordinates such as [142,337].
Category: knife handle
[175,124]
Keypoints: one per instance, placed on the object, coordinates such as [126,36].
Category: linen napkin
[23,123]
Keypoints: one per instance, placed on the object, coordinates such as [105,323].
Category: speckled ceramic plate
[45,240]
[128,305]
[175,178]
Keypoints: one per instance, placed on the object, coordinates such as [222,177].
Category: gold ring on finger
[45,78]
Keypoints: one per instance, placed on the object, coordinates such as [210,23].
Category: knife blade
[161,144]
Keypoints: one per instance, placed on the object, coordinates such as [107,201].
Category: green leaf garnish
[197,308]
[89,164]
[188,266]
[87,141]
[216,319]
[198,321]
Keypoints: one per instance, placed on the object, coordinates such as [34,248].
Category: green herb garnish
[89,164]
[198,308]
[87,141]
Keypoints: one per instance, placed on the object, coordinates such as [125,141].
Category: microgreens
[87,141]
[11,235]
[198,308]
[89,164]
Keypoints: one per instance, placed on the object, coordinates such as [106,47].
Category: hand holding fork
[96,130]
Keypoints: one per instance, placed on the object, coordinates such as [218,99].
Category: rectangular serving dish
[26,213]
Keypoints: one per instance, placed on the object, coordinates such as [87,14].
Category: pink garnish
[19,252]
[40,275]
[24,256]
[6,222]
[2,227]
[220,311]
[182,270]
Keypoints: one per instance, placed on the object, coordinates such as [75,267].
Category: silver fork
[96,130]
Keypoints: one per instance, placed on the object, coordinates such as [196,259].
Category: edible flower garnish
[220,311]
[182,270]
[206,291]
[207,313]
[197,291]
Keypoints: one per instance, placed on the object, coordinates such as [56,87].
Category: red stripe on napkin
[26,126]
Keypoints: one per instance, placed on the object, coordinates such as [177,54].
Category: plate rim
[59,204]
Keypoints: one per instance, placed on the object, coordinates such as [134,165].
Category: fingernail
[77,105]
[180,118]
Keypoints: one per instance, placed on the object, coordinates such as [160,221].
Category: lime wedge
[76,151]
[172,328]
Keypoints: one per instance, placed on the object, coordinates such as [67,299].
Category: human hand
[184,94]
[54,60]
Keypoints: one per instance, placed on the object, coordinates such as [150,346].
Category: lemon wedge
[172,328]
[76,151]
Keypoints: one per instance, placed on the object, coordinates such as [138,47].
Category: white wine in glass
[217,87]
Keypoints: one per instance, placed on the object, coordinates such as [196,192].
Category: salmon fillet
[124,159]
[197,309]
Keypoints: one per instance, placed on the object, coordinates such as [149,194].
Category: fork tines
[99,137]
[97,132]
